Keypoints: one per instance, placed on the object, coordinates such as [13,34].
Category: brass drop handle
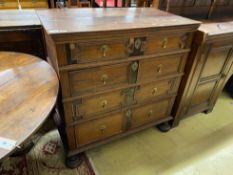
[130,46]
[104,49]
[102,128]
[165,43]
[182,45]
[154,91]
[159,68]
[150,113]
[104,103]
[104,78]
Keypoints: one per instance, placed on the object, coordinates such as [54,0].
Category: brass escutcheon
[138,43]
[134,66]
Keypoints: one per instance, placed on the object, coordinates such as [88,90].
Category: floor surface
[200,145]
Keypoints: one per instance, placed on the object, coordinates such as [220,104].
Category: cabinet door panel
[216,61]
[203,93]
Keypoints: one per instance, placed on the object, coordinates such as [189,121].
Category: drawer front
[6,4]
[99,129]
[91,80]
[154,68]
[97,51]
[86,107]
[165,43]
[153,90]
[149,113]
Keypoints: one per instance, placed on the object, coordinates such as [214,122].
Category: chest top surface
[60,21]
[18,18]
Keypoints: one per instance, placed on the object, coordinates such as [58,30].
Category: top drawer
[121,48]
[84,52]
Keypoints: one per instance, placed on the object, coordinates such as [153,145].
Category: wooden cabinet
[21,31]
[209,68]
[119,74]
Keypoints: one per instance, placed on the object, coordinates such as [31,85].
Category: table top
[28,93]
[78,20]
[18,18]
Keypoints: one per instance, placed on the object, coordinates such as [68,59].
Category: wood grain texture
[93,20]
[29,88]
[16,18]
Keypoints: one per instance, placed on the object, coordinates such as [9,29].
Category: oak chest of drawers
[119,69]
[210,66]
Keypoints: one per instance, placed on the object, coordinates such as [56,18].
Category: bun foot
[73,161]
[208,111]
[164,127]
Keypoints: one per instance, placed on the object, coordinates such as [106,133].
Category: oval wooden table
[28,93]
